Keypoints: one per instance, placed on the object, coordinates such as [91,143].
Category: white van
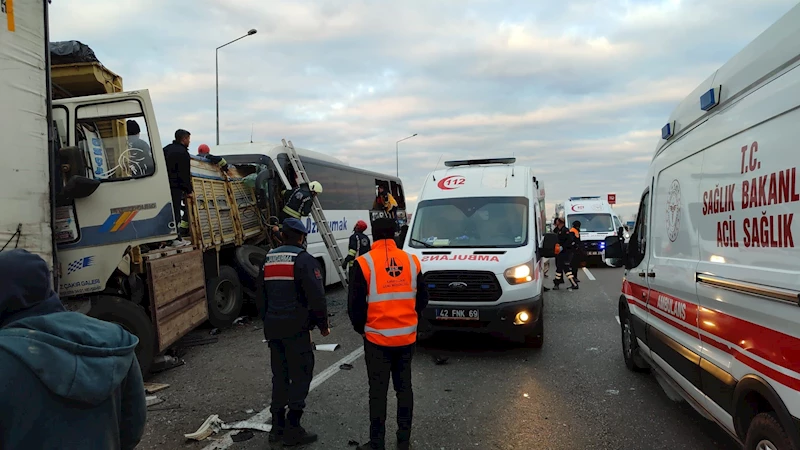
[711,296]
[598,221]
[477,231]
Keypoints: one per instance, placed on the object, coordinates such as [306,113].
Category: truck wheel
[133,319]
[536,338]
[766,432]
[251,259]
[224,296]
[630,347]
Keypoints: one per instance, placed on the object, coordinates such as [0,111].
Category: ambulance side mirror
[614,247]
[548,249]
[621,231]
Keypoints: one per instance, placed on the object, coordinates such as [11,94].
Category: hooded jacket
[68,381]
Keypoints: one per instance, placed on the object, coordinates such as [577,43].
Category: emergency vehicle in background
[598,220]
[348,192]
[477,230]
[711,298]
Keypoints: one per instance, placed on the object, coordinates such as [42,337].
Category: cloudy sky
[577,89]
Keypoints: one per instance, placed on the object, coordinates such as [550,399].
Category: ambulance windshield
[592,223]
[473,222]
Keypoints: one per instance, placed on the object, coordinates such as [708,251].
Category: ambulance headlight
[522,273]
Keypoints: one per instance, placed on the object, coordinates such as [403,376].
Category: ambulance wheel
[224,296]
[536,338]
[630,347]
[133,319]
[767,433]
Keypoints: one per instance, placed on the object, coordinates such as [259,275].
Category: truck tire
[251,260]
[133,319]
[225,298]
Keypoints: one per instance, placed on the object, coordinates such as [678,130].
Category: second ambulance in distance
[477,232]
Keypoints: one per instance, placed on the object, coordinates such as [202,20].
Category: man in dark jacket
[294,304]
[141,156]
[359,244]
[180,178]
[67,381]
[566,243]
[299,201]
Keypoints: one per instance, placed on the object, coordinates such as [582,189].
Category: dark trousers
[381,363]
[563,267]
[177,198]
[292,361]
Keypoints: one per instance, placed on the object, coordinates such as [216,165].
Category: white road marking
[589,274]
[618,322]
[264,416]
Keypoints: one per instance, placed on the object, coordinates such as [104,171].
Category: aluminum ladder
[318,215]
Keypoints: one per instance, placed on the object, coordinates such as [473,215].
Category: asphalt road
[574,393]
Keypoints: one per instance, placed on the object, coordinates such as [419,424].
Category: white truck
[95,202]
[598,220]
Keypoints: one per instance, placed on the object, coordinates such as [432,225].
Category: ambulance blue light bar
[710,99]
[668,130]
[476,162]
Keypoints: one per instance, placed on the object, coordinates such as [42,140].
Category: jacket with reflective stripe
[391,276]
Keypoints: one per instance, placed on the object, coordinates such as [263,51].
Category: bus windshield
[592,223]
[473,222]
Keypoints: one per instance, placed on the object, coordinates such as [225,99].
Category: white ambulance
[598,221]
[711,296]
[477,231]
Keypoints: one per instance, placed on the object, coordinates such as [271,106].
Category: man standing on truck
[68,381]
[566,245]
[299,202]
[142,159]
[359,245]
[387,293]
[294,304]
[180,179]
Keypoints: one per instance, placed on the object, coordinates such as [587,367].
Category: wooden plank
[181,303]
[175,276]
[179,324]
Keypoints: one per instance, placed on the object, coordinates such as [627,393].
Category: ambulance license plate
[593,253]
[457,314]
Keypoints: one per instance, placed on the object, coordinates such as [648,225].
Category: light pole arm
[397,154]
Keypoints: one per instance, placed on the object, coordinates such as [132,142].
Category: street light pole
[397,154]
[216,63]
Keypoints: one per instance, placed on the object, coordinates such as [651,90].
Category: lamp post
[397,153]
[249,33]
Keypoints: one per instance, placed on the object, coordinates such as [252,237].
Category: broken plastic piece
[247,425]
[327,347]
[153,400]
[212,425]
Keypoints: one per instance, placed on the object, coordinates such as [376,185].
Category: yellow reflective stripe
[291,212]
[352,252]
[392,332]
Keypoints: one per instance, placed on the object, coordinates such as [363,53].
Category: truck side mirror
[76,187]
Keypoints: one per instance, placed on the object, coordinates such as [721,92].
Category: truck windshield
[592,223]
[474,222]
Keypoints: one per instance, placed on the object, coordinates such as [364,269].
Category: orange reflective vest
[391,276]
[575,232]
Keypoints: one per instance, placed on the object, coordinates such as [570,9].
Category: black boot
[294,433]
[278,427]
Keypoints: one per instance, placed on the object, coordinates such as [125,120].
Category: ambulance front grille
[462,286]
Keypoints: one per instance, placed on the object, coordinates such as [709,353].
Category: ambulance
[598,221]
[710,300]
[477,231]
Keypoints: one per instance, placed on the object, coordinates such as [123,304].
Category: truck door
[634,286]
[132,204]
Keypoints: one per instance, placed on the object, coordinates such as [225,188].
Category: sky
[576,89]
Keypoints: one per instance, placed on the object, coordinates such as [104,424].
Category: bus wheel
[224,296]
[133,319]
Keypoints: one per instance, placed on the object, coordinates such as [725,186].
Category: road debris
[241,436]
[214,331]
[241,320]
[247,425]
[346,366]
[195,340]
[153,400]
[152,388]
[612,392]
[440,360]
[211,426]
[327,347]
[166,362]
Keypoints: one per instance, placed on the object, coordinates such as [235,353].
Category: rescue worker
[299,202]
[67,381]
[142,158]
[387,293]
[577,256]
[294,304]
[564,249]
[204,151]
[359,245]
[386,201]
[180,180]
